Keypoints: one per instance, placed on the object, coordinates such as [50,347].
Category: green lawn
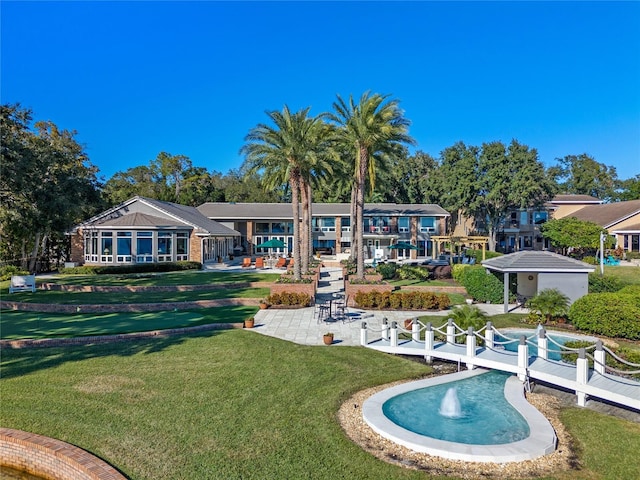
[236,405]
[19,324]
[629,275]
[99,298]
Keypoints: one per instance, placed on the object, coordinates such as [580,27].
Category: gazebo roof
[536,261]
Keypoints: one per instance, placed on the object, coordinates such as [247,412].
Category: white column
[506,292]
[543,344]
[393,340]
[415,330]
[523,359]
[363,334]
[471,347]
[428,342]
[385,329]
[451,332]
[582,375]
[488,335]
[600,358]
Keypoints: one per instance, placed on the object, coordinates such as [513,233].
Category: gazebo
[538,271]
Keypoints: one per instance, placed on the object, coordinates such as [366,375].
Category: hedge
[607,283]
[481,286]
[402,301]
[289,299]
[610,314]
[133,268]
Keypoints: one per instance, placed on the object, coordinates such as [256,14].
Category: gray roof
[257,211]
[170,214]
[575,199]
[535,261]
[608,214]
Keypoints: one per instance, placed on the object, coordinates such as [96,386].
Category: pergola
[537,271]
[473,241]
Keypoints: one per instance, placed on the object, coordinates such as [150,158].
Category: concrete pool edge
[541,441]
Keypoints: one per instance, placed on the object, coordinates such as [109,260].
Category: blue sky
[191,78]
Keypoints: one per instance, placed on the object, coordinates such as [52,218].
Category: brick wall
[77,247]
[50,458]
[195,248]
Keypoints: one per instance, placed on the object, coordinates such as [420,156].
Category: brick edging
[148,288]
[123,337]
[51,458]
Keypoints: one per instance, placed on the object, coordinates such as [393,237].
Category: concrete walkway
[300,325]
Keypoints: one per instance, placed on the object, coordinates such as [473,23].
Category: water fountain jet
[450,405]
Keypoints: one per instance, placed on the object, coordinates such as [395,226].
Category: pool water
[533,345]
[487,418]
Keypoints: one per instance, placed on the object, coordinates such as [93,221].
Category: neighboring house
[143,230]
[621,219]
[384,225]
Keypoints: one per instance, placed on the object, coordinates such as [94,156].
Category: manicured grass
[19,324]
[426,283]
[234,405]
[629,275]
[99,298]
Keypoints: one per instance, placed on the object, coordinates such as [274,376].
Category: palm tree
[549,303]
[283,152]
[370,130]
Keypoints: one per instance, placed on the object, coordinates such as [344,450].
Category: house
[144,230]
[536,271]
[384,225]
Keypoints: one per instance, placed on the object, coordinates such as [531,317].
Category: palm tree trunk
[353,223]
[309,225]
[362,172]
[295,205]
[304,236]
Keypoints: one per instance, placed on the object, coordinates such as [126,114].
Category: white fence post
[385,329]
[543,344]
[451,332]
[394,334]
[471,347]
[363,334]
[523,359]
[489,335]
[428,342]
[582,375]
[599,358]
[415,330]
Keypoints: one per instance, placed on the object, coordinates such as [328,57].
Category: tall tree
[583,175]
[283,152]
[47,185]
[373,128]
[510,178]
[629,189]
[570,232]
[172,170]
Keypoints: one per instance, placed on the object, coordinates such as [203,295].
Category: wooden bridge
[601,381]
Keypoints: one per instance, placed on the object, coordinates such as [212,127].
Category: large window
[144,247]
[165,253]
[182,246]
[540,217]
[345,222]
[262,227]
[403,224]
[123,255]
[428,224]
[106,247]
[91,247]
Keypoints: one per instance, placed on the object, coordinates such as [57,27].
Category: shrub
[606,283]
[549,303]
[387,270]
[133,268]
[442,271]
[402,300]
[457,271]
[289,299]
[609,314]
[631,290]
[409,272]
[590,260]
[8,271]
[632,255]
[467,316]
[481,286]
[477,254]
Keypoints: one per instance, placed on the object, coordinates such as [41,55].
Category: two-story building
[384,225]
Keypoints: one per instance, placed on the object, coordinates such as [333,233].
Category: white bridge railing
[495,340]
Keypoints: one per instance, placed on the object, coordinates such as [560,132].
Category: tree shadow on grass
[16,362]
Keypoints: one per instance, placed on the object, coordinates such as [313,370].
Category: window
[124,247]
[345,223]
[106,247]
[428,224]
[540,217]
[403,224]
[182,246]
[262,227]
[144,247]
[524,218]
[165,253]
[328,224]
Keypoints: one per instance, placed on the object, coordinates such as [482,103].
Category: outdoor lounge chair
[259,262]
[246,262]
[281,263]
